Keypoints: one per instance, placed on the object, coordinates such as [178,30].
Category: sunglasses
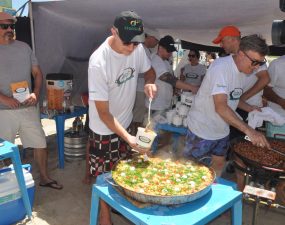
[131,43]
[255,62]
[6,26]
[191,56]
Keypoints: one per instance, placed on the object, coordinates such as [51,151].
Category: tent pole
[32,26]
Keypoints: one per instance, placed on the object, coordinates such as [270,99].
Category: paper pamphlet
[20,90]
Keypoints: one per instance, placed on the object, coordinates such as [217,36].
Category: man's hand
[32,100]
[11,102]
[257,138]
[135,146]
[150,90]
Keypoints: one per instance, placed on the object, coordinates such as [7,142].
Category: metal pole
[32,26]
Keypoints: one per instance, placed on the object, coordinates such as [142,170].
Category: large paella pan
[164,182]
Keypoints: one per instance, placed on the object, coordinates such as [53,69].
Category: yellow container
[6,3]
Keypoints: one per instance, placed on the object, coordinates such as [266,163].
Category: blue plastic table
[9,150]
[59,122]
[176,133]
[201,211]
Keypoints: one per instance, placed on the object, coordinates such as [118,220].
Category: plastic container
[12,207]
[59,87]
[277,132]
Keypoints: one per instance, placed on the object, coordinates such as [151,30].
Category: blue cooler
[12,208]
[273,131]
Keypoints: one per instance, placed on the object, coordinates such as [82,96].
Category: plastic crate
[273,131]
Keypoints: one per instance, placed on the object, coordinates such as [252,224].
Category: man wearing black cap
[165,80]
[112,80]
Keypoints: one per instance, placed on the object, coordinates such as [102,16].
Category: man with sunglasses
[112,81]
[229,39]
[218,97]
[17,63]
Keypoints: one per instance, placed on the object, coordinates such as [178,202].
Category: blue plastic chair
[9,150]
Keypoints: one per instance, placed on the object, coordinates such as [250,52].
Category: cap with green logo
[130,27]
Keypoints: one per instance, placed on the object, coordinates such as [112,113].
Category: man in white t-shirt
[151,41]
[112,81]
[275,91]
[229,40]
[194,72]
[218,97]
[165,80]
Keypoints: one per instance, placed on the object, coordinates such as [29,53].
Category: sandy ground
[71,205]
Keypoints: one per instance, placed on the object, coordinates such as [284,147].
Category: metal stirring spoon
[149,106]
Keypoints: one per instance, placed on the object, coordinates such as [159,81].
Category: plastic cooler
[11,204]
[273,131]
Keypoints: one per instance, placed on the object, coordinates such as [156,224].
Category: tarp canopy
[67,32]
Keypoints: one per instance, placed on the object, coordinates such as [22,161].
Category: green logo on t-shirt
[236,93]
[125,76]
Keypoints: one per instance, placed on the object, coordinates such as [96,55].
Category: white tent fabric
[72,29]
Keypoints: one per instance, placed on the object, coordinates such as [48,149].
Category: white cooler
[11,204]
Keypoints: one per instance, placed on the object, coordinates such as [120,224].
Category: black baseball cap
[130,27]
[168,43]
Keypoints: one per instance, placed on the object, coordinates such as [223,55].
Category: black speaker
[278,32]
[282,5]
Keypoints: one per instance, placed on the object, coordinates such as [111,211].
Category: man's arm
[229,116]
[247,107]
[150,88]
[113,124]
[270,95]
[263,80]
[175,82]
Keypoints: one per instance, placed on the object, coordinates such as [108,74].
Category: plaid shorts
[199,148]
[104,151]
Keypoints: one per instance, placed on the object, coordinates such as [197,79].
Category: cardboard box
[12,207]
[6,3]
[8,10]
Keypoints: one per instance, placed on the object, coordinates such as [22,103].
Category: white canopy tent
[67,32]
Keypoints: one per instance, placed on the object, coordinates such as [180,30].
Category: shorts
[139,108]
[26,122]
[199,148]
[105,151]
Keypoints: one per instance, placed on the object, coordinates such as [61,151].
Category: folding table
[222,196]
[59,121]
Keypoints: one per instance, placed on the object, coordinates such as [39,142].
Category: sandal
[53,184]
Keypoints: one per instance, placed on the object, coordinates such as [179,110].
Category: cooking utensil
[148,117]
[164,200]
[271,149]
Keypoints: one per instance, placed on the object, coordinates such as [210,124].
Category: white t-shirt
[113,77]
[223,77]
[194,74]
[164,94]
[276,72]
[249,81]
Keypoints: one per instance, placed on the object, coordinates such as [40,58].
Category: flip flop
[53,184]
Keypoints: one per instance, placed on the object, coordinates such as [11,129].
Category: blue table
[201,211]
[176,133]
[59,122]
[9,150]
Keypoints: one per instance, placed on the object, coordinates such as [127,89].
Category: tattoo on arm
[169,78]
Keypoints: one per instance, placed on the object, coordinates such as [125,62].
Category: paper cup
[169,116]
[145,139]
